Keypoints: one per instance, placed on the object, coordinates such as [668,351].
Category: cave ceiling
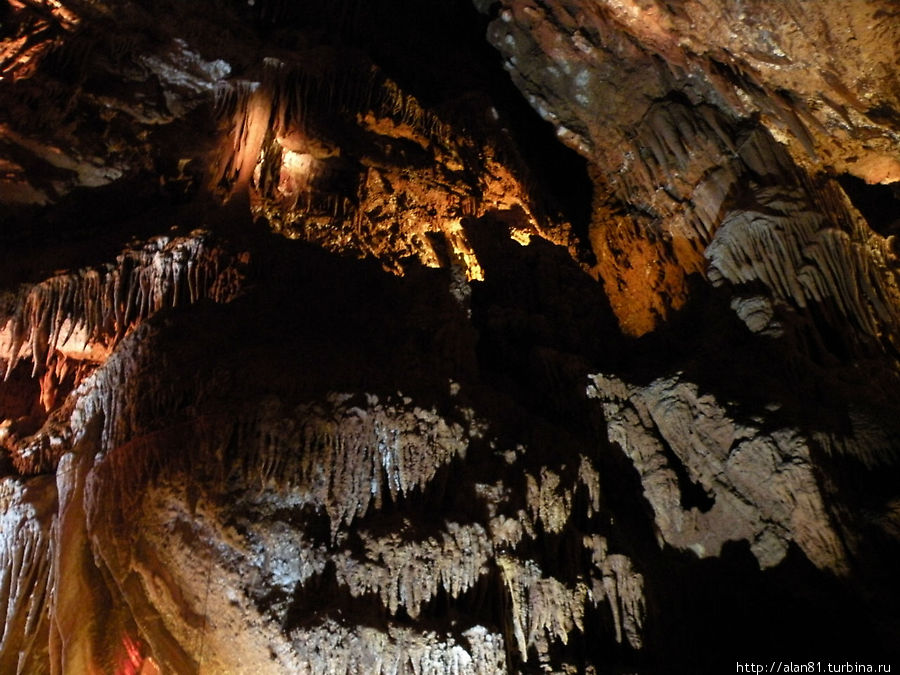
[448,336]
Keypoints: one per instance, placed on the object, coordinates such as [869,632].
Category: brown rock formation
[681,107]
[323,353]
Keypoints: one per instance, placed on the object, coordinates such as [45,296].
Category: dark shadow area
[543,324]
[879,204]
[710,614]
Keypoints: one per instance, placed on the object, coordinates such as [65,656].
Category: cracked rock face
[447,337]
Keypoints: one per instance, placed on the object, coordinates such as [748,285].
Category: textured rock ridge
[734,464]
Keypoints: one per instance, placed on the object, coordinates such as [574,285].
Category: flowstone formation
[448,337]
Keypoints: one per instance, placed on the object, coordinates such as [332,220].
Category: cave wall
[442,337]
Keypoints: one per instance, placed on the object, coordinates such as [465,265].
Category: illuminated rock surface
[324,353]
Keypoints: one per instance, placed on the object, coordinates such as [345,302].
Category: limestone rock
[447,337]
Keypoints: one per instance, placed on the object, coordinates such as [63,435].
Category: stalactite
[622,587]
[340,454]
[342,457]
[548,503]
[255,559]
[290,113]
[805,256]
[334,649]
[507,532]
[542,609]
[308,198]
[101,304]
[26,551]
[408,574]
[293,97]
[39,453]
[590,479]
